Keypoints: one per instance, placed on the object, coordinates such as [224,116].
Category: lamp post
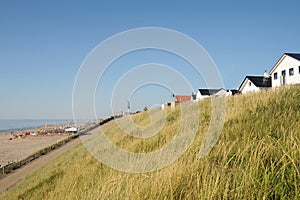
[128,106]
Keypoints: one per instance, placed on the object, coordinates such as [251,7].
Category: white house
[255,83]
[287,70]
[205,93]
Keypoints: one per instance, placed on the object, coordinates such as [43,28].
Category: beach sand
[18,148]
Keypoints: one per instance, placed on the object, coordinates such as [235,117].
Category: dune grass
[256,157]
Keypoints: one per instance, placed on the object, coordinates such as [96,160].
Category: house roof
[182,98]
[258,81]
[209,91]
[293,55]
[234,91]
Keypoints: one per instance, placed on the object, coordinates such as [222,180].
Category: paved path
[13,177]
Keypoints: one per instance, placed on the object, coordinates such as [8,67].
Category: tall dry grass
[256,157]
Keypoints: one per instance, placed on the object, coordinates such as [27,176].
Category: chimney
[194,96]
[266,74]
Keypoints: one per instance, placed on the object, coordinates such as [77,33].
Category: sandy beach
[13,149]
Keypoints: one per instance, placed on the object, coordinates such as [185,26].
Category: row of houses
[205,93]
[285,72]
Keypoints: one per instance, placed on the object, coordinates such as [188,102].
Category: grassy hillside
[256,157]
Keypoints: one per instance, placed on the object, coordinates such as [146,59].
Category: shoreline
[38,124]
[14,149]
[18,152]
[21,143]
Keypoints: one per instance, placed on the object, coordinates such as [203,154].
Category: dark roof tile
[208,91]
[234,92]
[294,55]
[260,81]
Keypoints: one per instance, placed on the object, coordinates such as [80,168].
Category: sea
[19,124]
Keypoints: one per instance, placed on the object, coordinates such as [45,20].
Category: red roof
[183,98]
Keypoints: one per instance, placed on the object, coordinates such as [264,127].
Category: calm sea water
[16,124]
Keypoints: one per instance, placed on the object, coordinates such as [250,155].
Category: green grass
[256,157]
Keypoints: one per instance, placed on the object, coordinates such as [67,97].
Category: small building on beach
[71,130]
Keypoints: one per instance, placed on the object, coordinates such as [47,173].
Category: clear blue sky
[42,44]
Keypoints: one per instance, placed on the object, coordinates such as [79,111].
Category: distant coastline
[20,124]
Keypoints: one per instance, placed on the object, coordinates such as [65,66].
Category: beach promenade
[16,149]
[33,144]
[12,178]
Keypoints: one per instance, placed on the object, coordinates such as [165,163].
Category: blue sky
[43,44]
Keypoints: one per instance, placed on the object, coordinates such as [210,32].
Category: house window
[275,75]
[291,71]
[283,73]
[249,83]
[299,69]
